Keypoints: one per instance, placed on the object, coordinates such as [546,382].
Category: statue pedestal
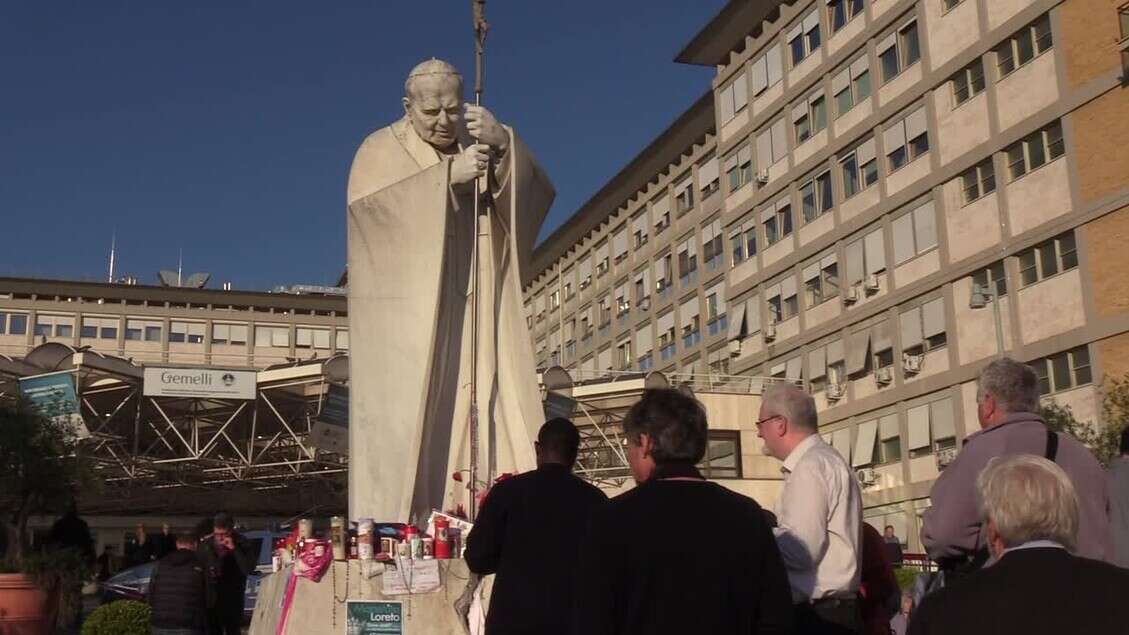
[321,607]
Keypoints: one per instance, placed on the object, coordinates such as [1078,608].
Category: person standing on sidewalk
[820,515]
[178,591]
[228,559]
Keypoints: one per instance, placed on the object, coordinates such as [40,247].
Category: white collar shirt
[819,515]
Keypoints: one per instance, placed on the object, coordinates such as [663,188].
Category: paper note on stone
[411,576]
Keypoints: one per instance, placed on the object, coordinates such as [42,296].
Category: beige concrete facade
[999,133]
[154,325]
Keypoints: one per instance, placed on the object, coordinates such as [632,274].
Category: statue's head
[433,101]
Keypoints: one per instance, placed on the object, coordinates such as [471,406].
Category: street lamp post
[982,294]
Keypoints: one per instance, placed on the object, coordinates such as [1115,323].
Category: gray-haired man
[1007,401]
[819,513]
[1036,586]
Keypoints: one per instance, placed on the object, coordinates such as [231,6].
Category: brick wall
[1088,38]
[1106,239]
[1101,144]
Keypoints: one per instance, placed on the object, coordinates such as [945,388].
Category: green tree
[1102,440]
[39,471]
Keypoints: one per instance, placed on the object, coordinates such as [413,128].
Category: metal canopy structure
[598,403]
[183,453]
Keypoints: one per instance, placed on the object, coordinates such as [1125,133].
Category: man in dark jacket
[528,534]
[71,532]
[893,547]
[228,559]
[678,554]
[1034,584]
[178,591]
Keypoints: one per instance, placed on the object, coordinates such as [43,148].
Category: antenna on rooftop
[177,279]
[113,246]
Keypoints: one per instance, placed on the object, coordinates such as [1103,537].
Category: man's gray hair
[1013,385]
[1028,498]
[429,68]
[793,403]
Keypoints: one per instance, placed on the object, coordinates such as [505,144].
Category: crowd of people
[1026,526]
[197,583]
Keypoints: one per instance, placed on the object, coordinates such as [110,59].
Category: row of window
[179,332]
[858,171]
[922,327]
[914,233]
[904,141]
[929,426]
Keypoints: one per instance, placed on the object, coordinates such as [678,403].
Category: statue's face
[435,107]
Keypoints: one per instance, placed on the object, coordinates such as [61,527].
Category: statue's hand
[482,125]
[470,164]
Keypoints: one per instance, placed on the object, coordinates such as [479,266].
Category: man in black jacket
[528,532]
[228,559]
[1033,583]
[678,554]
[178,591]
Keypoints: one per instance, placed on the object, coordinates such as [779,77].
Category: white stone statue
[410,231]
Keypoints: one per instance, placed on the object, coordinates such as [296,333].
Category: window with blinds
[804,37]
[851,85]
[915,232]
[923,327]
[859,168]
[743,239]
[931,427]
[898,51]
[236,334]
[907,140]
[186,332]
[93,327]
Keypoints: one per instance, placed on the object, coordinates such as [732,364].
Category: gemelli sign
[199,382]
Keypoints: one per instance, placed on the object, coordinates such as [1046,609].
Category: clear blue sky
[226,129]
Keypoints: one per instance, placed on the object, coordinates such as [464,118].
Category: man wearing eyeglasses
[819,512]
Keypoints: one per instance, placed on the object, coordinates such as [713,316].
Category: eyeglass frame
[766,420]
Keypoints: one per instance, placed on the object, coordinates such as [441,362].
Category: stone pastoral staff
[411,247]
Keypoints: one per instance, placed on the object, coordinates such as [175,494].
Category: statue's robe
[410,236]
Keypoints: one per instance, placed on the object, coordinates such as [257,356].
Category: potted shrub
[39,471]
[124,617]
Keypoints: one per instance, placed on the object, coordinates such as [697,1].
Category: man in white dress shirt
[819,514]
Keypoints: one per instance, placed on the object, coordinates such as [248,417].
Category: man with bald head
[411,233]
[819,514]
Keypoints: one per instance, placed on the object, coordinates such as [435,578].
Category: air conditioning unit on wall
[835,392]
[734,348]
[884,376]
[912,363]
[770,332]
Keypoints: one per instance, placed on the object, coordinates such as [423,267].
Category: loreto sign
[215,383]
[374,618]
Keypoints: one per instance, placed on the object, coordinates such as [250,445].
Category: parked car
[133,583]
